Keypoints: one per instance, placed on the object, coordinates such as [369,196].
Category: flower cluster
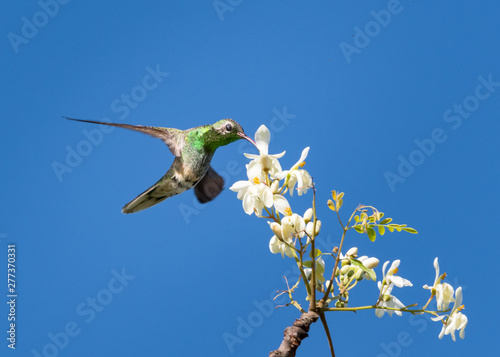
[444,296]
[294,236]
[386,285]
[353,270]
[265,190]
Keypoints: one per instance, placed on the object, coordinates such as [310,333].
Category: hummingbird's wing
[171,137]
[171,184]
[209,186]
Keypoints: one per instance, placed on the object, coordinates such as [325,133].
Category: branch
[294,335]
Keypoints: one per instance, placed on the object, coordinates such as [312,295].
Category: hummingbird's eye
[229,127]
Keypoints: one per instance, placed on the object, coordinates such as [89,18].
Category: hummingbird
[193,150]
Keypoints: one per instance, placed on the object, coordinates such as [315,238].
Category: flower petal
[262,138]
[240,185]
[280,203]
[266,195]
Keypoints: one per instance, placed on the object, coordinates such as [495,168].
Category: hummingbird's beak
[244,136]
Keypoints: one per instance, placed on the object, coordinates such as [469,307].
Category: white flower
[394,279]
[255,194]
[444,295]
[443,291]
[268,162]
[455,321]
[386,285]
[295,176]
[253,197]
[278,246]
[388,300]
[310,226]
[293,226]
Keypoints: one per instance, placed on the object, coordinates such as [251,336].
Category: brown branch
[294,335]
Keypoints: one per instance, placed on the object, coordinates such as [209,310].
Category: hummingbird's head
[228,131]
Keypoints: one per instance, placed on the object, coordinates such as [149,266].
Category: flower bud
[308,215]
[318,227]
[339,304]
[309,229]
[359,274]
[353,252]
[371,263]
[275,186]
[344,269]
[351,271]
[276,228]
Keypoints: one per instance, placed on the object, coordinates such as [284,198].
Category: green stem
[345,229]
[312,300]
[430,299]
[301,268]
[359,308]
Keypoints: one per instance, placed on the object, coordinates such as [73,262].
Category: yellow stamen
[302,164]
[288,211]
[256,180]
[461,308]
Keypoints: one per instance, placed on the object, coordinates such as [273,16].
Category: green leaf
[370,272]
[318,252]
[356,218]
[387,220]
[331,205]
[307,264]
[339,204]
[381,230]
[359,229]
[410,230]
[320,269]
[371,234]
[390,228]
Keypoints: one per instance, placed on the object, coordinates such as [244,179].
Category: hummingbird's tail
[148,198]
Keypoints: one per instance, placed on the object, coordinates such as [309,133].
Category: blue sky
[398,101]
